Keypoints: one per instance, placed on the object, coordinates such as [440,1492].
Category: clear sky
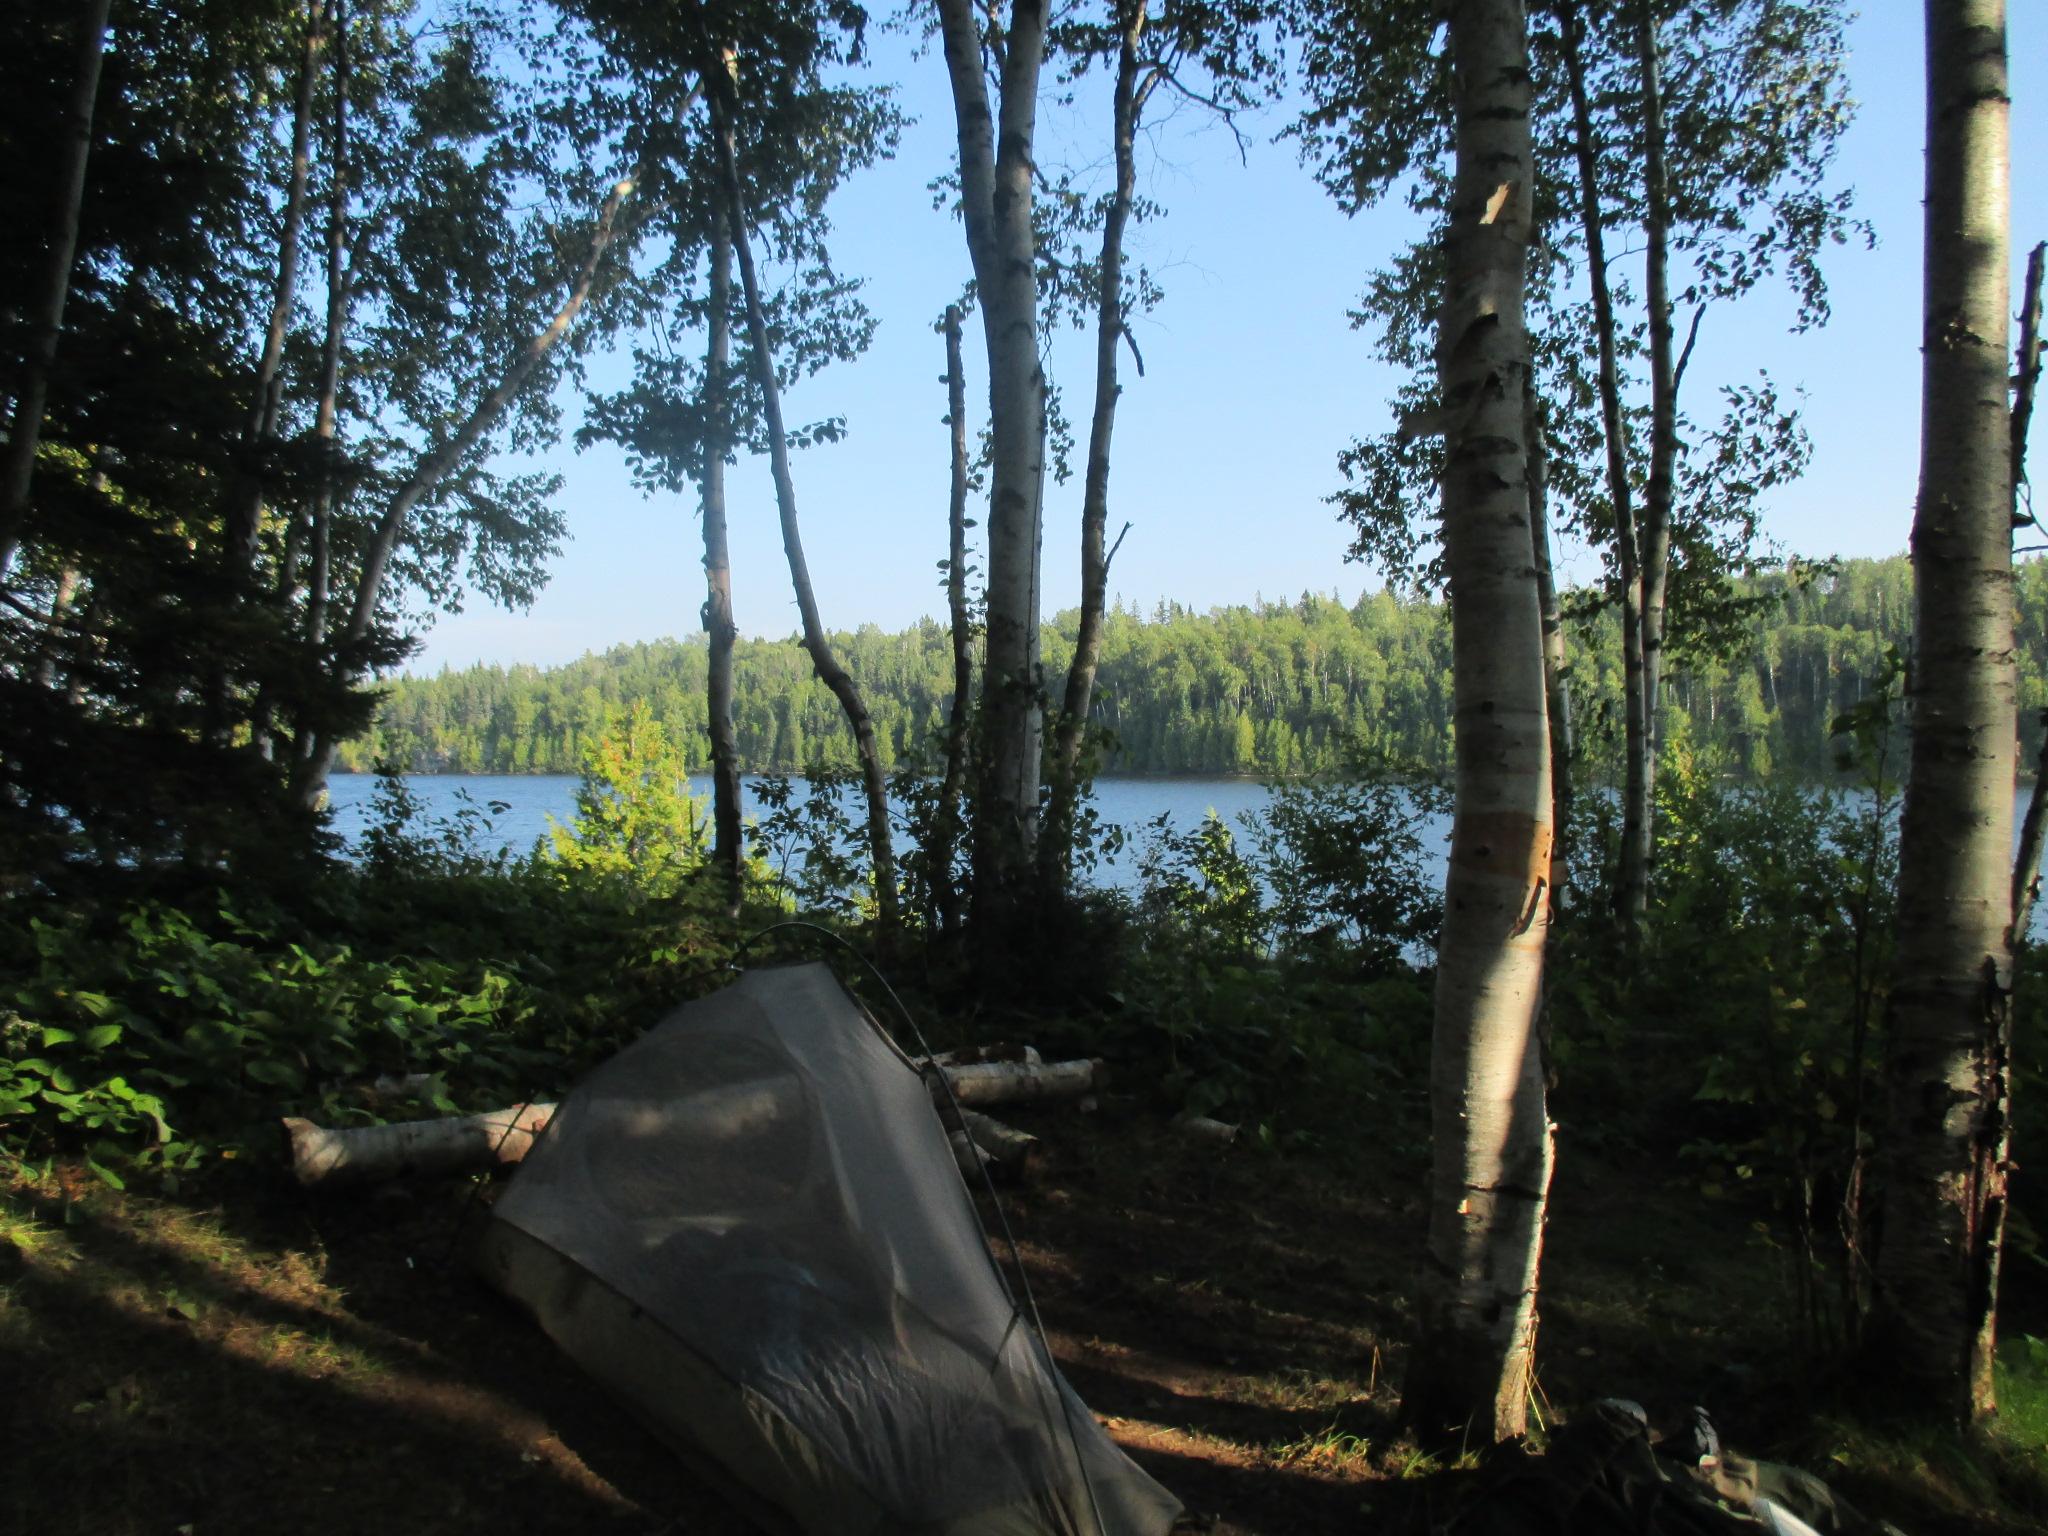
[1254,381]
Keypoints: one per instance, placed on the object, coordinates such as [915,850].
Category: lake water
[530,799]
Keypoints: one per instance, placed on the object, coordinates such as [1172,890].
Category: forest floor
[243,1359]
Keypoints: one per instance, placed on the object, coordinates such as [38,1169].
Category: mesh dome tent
[749,1225]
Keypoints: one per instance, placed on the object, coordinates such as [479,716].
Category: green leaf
[52,1035]
[278,1074]
[106,1175]
[100,1036]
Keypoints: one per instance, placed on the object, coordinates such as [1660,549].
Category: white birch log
[322,1155]
[1016,1153]
[369,1153]
[1021,1082]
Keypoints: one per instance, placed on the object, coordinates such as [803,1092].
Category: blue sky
[1254,381]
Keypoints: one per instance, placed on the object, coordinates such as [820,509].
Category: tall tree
[31,390]
[1934,1325]
[945,834]
[726,844]
[795,139]
[816,640]
[1490,1133]
[996,202]
[1211,54]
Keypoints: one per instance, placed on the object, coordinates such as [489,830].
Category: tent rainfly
[750,1226]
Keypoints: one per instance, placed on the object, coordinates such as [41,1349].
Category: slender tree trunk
[245,506]
[946,836]
[32,393]
[1491,1135]
[1950,1010]
[2026,376]
[1128,104]
[996,201]
[327,415]
[1661,489]
[1557,692]
[816,642]
[437,462]
[719,627]
[1632,879]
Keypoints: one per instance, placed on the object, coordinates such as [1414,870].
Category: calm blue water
[530,799]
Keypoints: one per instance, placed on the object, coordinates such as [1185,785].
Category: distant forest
[1271,688]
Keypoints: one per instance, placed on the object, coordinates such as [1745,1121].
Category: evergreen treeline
[1269,688]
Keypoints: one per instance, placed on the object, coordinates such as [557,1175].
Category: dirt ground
[248,1359]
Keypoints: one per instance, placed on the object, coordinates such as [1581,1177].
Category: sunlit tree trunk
[946,835]
[1937,1273]
[1491,1139]
[718,620]
[25,429]
[816,642]
[1071,728]
[996,200]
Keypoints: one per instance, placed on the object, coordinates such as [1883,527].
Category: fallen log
[1202,1128]
[1017,1154]
[322,1155]
[1022,1082]
[366,1154]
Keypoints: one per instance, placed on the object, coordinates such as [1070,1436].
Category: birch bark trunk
[25,429]
[1490,1175]
[718,619]
[816,642]
[946,836]
[996,204]
[1937,1272]
[1127,107]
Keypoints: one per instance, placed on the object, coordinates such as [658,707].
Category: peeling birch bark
[1946,1148]
[370,1154]
[1491,1136]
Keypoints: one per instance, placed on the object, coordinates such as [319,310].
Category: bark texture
[1490,1132]
[25,429]
[996,201]
[816,641]
[726,841]
[946,834]
[1937,1272]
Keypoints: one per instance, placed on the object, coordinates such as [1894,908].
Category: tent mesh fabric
[758,1193]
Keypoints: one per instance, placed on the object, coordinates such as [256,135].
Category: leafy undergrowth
[238,1358]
